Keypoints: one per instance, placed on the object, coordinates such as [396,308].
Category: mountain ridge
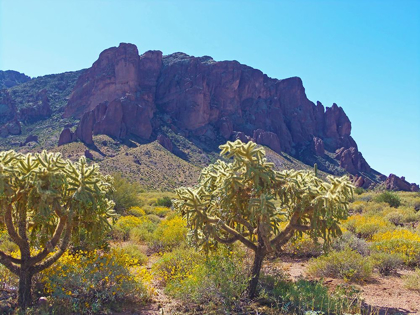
[142,98]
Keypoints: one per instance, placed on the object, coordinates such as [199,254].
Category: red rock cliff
[125,94]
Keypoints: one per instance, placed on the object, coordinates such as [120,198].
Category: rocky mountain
[176,99]
[11,78]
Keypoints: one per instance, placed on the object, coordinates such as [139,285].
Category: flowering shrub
[221,278]
[89,282]
[159,211]
[136,211]
[347,264]
[135,254]
[122,227]
[170,233]
[366,226]
[399,241]
[176,265]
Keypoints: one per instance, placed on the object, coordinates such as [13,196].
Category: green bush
[359,190]
[125,194]
[6,244]
[164,202]
[412,281]
[387,263]
[390,198]
[143,232]
[347,264]
[312,297]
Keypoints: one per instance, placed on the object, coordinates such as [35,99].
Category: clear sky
[362,55]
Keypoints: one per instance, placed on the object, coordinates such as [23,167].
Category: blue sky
[362,55]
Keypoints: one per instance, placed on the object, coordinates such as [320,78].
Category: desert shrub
[170,233]
[6,244]
[159,211]
[366,226]
[136,211]
[367,196]
[125,224]
[349,240]
[221,279]
[125,194]
[177,265]
[386,263]
[164,202]
[357,206]
[401,241]
[143,232]
[91,283]
[135,254]
[376,208]
[312,297]
[401,215]
[303,246]
[154,218]
[347,264]
[359,190]
[390,198]
[412,281]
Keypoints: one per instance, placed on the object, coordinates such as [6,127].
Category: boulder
[66,136]
[268,139]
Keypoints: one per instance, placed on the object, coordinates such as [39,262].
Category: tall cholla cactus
[235,202]
[44,202]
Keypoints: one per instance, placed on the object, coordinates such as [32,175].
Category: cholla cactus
[44,202]
[236,202]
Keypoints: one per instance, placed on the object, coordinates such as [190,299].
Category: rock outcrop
[124,94]
[394,182]
[38,109]
[9,124]
[11,78]
[352,160]
[66,136]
